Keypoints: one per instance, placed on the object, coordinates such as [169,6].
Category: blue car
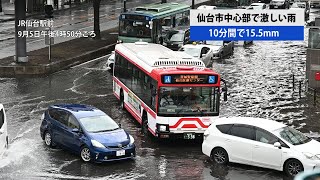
[87,131]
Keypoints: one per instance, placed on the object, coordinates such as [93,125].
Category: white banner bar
[243,17]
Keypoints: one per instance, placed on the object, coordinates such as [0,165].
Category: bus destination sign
[189,79]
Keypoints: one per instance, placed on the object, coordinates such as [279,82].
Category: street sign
[48,40]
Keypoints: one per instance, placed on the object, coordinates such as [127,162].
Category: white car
[202,51]
[3,131]
[110,61]
[257,6]
[260,142]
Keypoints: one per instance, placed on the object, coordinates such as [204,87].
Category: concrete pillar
[21,49]
[313,58]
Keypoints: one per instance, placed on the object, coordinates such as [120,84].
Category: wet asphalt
[260,85]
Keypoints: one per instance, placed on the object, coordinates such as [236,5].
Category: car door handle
[256,146]
[228,140]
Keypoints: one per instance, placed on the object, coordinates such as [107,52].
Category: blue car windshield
[95,124]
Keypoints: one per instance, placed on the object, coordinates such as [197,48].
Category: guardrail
[308,90]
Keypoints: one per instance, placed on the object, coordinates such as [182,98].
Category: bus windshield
[135,28]
[177,101]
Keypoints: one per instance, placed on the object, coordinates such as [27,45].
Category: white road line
[98,58]
[35,41]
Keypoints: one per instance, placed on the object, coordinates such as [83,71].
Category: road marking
[98,58]
[35,41]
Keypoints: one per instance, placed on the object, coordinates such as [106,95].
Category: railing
[308,90]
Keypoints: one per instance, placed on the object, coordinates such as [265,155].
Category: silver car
[221,48]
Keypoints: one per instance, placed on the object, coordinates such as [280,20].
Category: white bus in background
[3,131]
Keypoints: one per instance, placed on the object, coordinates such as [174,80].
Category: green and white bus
[149,23]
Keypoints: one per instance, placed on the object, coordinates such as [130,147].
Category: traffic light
[48,10]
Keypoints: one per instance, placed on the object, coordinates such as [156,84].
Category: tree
[96,19]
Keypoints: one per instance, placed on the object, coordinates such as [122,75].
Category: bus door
[155,32]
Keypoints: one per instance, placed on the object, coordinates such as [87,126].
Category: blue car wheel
[48,139]
[85,154]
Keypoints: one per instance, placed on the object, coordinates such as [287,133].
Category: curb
[46,69]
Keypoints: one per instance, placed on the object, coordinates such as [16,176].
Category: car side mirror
[203,55]
[119,125]
[76,130]
[277,144]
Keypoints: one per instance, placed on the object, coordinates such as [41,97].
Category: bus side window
[153,91]
[116,65]
[146,79]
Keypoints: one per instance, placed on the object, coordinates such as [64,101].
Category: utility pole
[0,6]
[21,46]
[96,18]
[192,6]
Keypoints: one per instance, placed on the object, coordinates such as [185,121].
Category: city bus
[150,22]
[171,94]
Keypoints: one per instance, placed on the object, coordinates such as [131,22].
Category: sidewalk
[8,11]
[64,55]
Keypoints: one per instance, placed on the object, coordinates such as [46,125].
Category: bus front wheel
[122,100]
[144,125]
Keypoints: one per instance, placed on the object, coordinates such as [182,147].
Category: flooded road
[260,85]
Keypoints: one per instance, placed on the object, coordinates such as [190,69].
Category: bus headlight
[162,127]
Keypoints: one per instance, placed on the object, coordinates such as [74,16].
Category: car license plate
[121,153]
[189,136]
[275,6]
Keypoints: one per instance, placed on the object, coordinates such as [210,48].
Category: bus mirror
[225,93]
[225,96]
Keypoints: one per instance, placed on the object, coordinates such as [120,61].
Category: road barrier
[308,90]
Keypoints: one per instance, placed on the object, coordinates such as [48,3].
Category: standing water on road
[260,85]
